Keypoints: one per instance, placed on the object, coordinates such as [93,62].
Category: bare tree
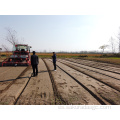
[112,44]
[5,47]
[103,47]
[11,37]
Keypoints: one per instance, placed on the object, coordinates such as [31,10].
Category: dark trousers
[54,63]
[35,69]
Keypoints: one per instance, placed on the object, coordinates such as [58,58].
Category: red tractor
[20,57]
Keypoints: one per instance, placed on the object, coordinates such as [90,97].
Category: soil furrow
[39,90]
[106,73]
[70,90]
[111,69]
[8,79]
[10,95]
[101,90]
[56,93]
[113,83]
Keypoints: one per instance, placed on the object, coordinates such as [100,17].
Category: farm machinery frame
[20,56]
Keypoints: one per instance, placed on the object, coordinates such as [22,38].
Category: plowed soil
[77,82]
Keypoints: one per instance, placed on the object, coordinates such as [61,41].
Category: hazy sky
[61,32]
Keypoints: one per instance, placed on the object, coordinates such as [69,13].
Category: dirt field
[76,81]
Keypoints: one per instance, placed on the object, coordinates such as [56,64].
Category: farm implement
[20,56]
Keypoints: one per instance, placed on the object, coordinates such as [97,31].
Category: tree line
[114,43]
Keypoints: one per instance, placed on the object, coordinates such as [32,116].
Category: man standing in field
[54,60]
[34,63]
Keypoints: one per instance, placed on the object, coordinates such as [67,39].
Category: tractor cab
[21,47]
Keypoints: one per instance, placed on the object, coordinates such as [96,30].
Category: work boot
[33,75]
[36,74]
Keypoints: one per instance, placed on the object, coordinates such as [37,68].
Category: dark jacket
[54,58]
[34,60]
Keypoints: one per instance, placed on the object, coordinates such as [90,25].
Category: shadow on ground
[13,79]
[24,77]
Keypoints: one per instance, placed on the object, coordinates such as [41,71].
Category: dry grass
[106,60]
[95,57]
[58,54]
[68,54]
